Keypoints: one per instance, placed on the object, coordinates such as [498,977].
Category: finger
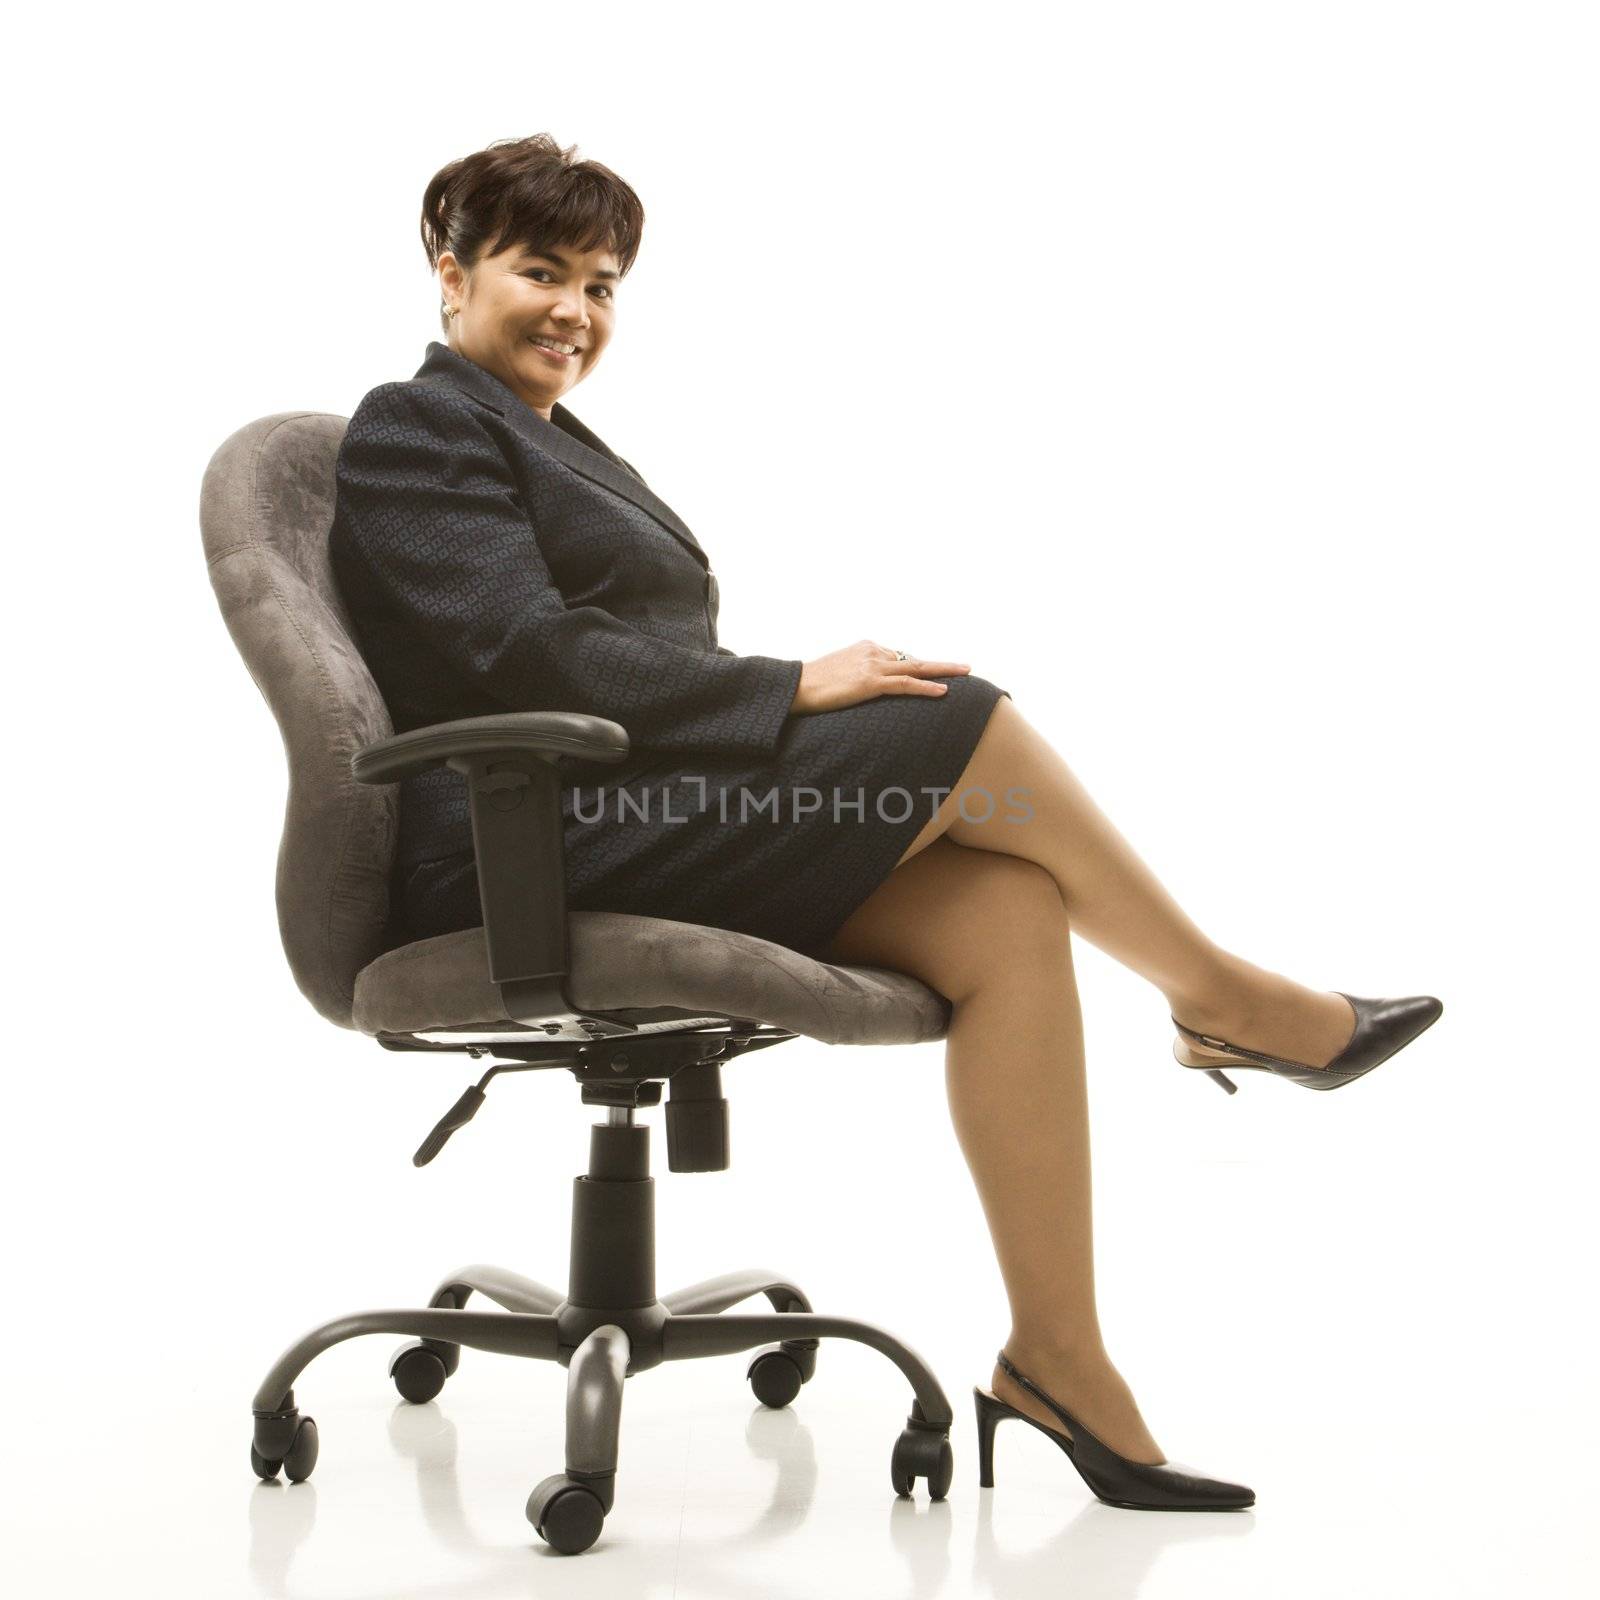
[933,669]
[903,685]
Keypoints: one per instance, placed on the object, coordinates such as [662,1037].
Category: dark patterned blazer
[495,561]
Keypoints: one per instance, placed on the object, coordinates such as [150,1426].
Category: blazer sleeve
[429,517]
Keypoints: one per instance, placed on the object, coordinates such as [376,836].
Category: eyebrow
[559,260]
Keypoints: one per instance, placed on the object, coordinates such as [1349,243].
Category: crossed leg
[1118,904]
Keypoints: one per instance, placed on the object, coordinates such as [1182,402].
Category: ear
[451,277]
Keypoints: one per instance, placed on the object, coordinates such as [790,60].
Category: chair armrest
[510,763]
[555,733]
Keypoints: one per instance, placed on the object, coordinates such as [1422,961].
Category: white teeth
[551,344]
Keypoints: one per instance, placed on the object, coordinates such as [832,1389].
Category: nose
[572,310]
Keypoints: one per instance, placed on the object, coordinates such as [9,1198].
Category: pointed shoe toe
[1163,1486]
[1182,1488]
[1383,1027]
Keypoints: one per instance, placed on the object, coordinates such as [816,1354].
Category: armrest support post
[511,766]
[522,885]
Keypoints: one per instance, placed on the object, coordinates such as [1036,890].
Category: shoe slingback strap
[1067,1419]
[1253,1055]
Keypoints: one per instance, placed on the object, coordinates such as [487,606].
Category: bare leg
[990,933]
[1116,902]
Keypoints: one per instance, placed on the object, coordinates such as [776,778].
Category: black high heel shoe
[1382,1028]
[1135,1485]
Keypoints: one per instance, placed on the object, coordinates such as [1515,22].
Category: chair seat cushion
[618,961]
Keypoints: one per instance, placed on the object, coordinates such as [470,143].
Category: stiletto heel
[990,1413]
[1383,1028]
[1134,1485]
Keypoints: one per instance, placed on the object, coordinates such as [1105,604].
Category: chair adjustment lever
[466,1108]
[458,1116]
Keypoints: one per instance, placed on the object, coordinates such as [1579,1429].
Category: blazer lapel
[564,437]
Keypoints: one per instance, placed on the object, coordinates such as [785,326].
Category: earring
[449,311]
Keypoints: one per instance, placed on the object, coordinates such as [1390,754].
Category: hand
[863,671]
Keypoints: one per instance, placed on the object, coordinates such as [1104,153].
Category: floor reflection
[1108,1550]
[1101,1550]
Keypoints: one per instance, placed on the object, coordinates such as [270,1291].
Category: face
[510,301]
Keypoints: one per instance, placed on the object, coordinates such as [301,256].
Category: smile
[554,350]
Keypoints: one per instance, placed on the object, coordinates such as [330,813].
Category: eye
[540,273]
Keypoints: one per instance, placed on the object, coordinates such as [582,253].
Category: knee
[958,918]
[1021,893]
[1009,918]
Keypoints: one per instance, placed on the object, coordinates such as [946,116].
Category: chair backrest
[266,506]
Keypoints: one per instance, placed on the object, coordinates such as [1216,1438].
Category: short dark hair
[528,192]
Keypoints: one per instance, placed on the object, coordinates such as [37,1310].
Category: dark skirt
[785,849]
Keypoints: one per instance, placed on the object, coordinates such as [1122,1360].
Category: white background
[1218,379]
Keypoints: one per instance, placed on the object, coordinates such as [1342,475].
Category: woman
[496,554]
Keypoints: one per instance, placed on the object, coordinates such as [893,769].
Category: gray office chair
[624,1003]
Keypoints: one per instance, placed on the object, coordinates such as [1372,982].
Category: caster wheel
[276,1433]
[299,1455]
[919,1453]
[418,1372]
[775,1378]
[302,1456]
[566,1515]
